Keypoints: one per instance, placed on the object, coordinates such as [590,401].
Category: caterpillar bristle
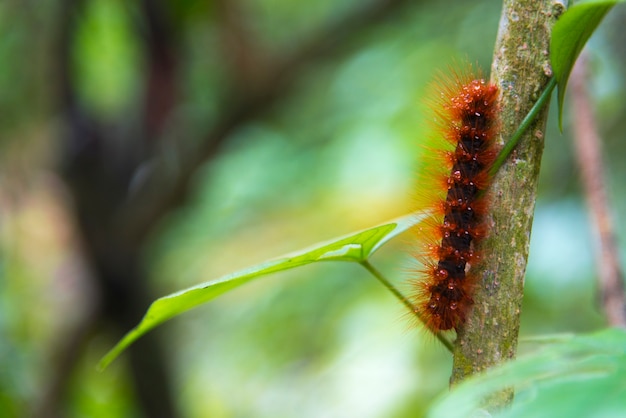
[454,180]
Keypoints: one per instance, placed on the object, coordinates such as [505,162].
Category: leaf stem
[523,127]
[379,276]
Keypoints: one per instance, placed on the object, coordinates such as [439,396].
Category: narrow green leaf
[356,247]
[571,33]
[576,376]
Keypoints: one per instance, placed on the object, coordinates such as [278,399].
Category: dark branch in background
[65,356]
[167,189]
[246,60]
[97,166]
[589,154]
[161,87]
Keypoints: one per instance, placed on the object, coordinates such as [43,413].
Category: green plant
[599,357]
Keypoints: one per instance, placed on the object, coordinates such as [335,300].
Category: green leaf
[570,35]
[356,247]
[576,376]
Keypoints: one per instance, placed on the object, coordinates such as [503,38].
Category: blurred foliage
[335,156]
[574,376]
[107,63]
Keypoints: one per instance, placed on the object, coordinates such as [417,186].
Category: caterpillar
[453,182]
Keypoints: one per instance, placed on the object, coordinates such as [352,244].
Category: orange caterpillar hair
[452,182]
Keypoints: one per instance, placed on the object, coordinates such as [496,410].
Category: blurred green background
[99,97]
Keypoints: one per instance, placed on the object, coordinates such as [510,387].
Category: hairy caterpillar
[453,183]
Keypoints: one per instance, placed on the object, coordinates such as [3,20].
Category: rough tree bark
[521,69]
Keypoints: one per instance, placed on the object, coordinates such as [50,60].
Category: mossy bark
[521,69]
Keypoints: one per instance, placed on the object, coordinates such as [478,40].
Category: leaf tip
[105,361]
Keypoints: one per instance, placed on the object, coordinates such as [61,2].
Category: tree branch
[521,69]
[589,154]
